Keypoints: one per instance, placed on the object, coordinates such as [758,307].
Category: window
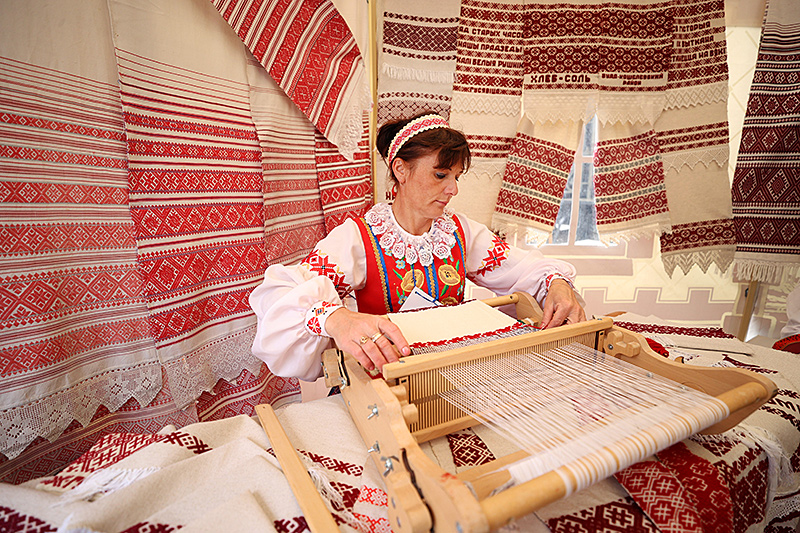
[576,222]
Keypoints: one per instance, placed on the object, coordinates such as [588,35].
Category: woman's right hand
[373,340]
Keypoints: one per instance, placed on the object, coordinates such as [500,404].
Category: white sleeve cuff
[317,316]
[554,276]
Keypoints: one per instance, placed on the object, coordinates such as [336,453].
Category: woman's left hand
[561,306]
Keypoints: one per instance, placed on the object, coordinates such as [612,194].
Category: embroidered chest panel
[390,279]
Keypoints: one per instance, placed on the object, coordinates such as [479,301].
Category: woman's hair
[451,144]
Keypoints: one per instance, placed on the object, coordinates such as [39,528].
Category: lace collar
[400,244]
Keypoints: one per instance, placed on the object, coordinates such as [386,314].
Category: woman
[415,244]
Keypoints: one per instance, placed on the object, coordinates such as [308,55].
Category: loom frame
[424,497]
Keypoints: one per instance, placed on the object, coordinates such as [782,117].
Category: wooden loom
[398,412]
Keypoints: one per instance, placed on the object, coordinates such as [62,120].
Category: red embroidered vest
[390,281]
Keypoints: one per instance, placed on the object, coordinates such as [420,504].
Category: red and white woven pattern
[661,497]
[70,285]
[242,395]
[418,58]
[308,49]
[486,97]
[655,75]
[44,458]
[698,69]
[694,149]
[196,201]
[608,59]
[533,184]
[293,219]
[629,185]
[345,186]
[488,82]
[766,188]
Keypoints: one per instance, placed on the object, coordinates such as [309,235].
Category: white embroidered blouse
[292,302]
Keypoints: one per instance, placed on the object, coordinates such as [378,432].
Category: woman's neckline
[402,227]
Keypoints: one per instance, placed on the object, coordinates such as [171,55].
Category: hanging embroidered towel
[693,136]
[417,43]
[695,154]
[76,330]
[293,217]
[417,57]
[535,177]
[580,60]
[195,179]
[487,97]
[766,188]
[573,71]
[345,186]
[630,192]
[308,49]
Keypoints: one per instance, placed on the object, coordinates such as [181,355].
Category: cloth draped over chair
[527,74]
[766,182]
[149,172]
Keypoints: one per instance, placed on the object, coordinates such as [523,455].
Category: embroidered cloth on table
[670,335]
[766,191]
[708,340]
[187,486]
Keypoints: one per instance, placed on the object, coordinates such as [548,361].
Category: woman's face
[426,188]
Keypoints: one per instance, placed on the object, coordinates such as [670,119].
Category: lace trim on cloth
[696,95]
[398,243]
[487,168]
[199,371]
[580,106]
[509,226]
[677,160]
[722,258]
[616,233]
[346,133]
[486,103]
[49,417]
[770,268]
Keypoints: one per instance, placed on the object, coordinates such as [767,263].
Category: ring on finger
[377,336]
[364,339]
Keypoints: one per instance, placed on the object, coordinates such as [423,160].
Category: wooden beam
[317,515]
[747,312]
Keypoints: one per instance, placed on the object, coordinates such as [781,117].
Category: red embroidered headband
[416,126]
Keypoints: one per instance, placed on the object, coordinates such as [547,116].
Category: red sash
[390,281]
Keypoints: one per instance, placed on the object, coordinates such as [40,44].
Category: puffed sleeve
[494,264]
[293,301]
